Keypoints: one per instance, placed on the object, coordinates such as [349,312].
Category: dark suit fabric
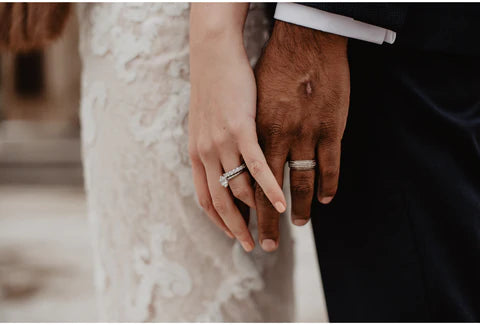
[446,27]
[401,240]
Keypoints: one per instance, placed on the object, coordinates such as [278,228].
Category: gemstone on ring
[231,174]
[224,181]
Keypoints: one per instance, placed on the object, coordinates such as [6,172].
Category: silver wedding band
[232,174]
[302,164]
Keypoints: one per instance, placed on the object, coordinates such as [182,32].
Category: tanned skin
[27,26]
[303,91]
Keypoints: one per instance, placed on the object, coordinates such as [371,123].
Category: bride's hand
[222,130]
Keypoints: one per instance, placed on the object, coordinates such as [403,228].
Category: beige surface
[45,258]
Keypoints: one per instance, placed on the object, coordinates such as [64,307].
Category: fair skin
[222,119]
[300,113]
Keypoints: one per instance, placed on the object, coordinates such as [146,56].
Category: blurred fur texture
[27,26]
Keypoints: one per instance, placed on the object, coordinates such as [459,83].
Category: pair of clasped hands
[293,106]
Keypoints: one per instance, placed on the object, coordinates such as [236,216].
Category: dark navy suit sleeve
[387,15]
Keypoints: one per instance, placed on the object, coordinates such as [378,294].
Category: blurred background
[46,271]
[45,259]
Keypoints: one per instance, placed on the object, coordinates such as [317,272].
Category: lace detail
[158,257]
[96,99]
[169,279]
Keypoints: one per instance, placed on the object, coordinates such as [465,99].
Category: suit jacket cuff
[332,23]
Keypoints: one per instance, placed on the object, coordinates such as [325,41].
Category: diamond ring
[232,174]
[302,164]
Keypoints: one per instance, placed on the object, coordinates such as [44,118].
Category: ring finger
[301,186]
[200,181]
[225,207]
[240,185]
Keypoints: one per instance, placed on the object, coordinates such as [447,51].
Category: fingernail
[300,222]
[269,245]
[280,207]
[248,247]
[229,234]
[326,200]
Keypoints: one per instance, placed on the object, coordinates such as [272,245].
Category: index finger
[260,170]
[268,217]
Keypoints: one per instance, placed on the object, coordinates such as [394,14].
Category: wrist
[217,23]
[224,41]
[215,34]
[299,39]
[219,50]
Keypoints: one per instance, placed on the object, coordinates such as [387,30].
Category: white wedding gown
[157,255]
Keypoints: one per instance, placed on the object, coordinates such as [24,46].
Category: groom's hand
[303,84]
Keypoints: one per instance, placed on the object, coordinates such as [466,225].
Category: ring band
[302,164]
[232,174]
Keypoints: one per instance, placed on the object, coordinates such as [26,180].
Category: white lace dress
[157,256]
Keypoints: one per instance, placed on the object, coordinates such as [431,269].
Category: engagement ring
[232,174]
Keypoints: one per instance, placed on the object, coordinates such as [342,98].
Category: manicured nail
[248,247]
[300,222]
[326,200]
[269,245]
[229,234]
[280,207]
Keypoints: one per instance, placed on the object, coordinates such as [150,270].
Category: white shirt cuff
[332,23]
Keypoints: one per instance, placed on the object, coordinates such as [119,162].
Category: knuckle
[299,131]
[205,148]
[329,172]
[302,183]
[328,133]
[328,141]
[193,154]
[220,206]
[206,204]
[272,125]
[276,150]
[301,189]
[220,140]
[274,129]
[260,196]
[256,168]
[330,190]
[236,127]
[240,192]
[268,228]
